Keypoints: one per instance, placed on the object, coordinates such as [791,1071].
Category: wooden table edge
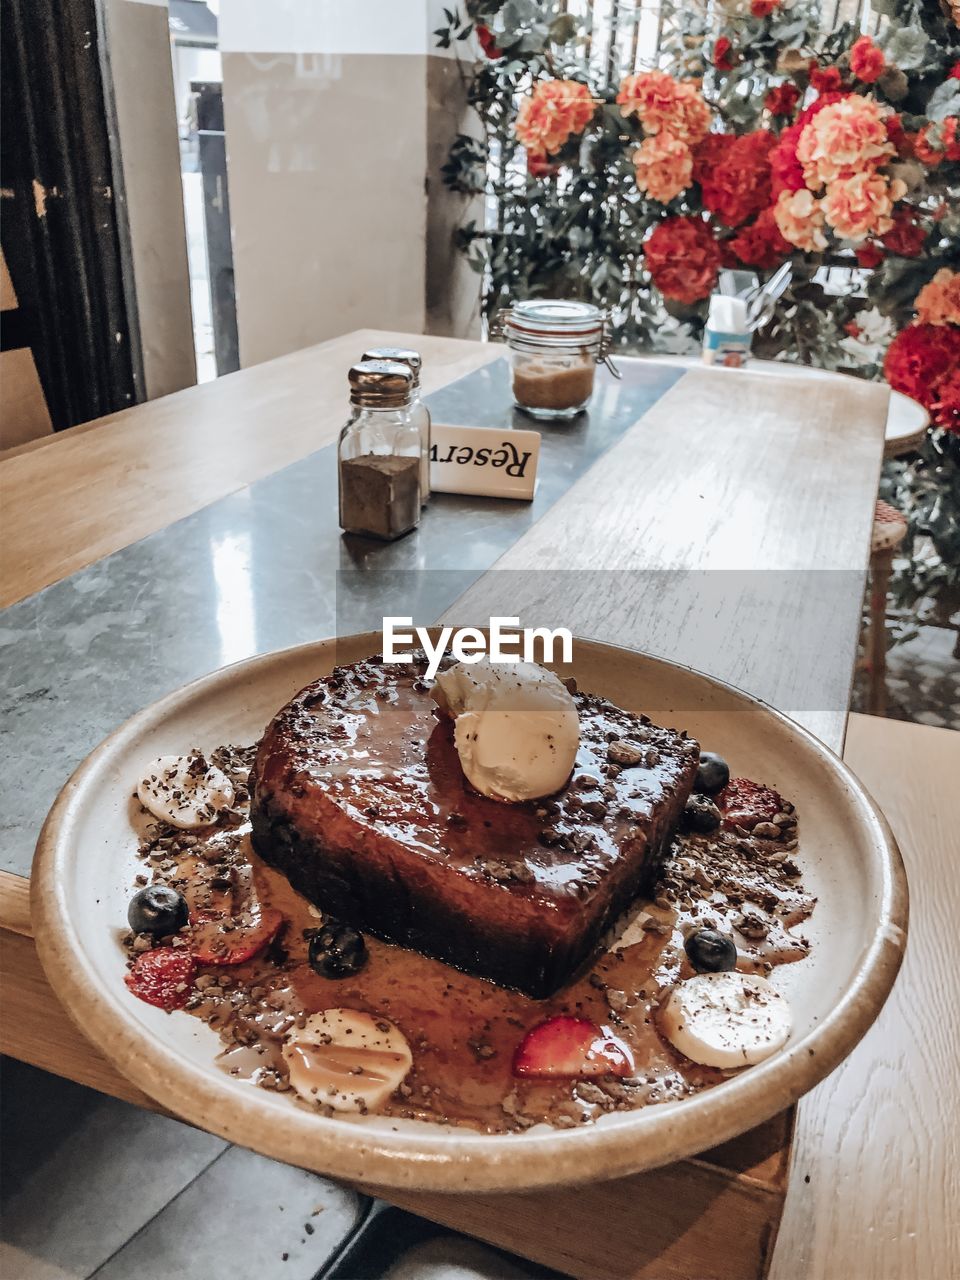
[37,1030]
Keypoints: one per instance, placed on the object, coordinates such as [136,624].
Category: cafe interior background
[190,189]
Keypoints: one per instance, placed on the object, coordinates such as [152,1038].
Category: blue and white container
[726,339]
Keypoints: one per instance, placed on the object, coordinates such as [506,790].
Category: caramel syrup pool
[464,1031]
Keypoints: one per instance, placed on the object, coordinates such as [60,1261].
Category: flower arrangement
[758,138]
[923,360]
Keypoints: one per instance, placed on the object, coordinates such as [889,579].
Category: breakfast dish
[491,900]
[212,1074]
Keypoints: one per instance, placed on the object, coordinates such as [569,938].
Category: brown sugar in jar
[548,384]
[555,347]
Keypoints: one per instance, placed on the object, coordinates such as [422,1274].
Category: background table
[907,421]
[724,527]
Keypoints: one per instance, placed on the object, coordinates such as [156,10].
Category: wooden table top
[773,479]
[72,498]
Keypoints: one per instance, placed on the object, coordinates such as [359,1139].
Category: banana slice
[726,1019]
[346,1060]
[185,791]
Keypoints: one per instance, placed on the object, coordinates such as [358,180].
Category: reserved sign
[497,463]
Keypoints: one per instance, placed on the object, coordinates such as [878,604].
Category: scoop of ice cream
[516,727]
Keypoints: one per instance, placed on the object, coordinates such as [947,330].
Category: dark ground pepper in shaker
[379,453]
[380,495]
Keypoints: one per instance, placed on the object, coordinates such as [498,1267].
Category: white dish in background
[86,862]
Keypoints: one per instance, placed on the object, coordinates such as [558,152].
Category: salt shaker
[419,411]
[379,453]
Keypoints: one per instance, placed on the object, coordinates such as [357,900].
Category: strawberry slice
[212,944]
[566,1046]
[745,803]
[163,977]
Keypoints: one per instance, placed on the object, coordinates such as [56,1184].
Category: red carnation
[710,152]
[954,72]
[786,171]
[538,166]
[734,174]
[824,79]
[922,362]
[722,54]
[782,98]
[938,141]
[683,259]
[488,42]
[869,256]
[906,237]
[763,8]
[760,244]
[897,135]
[945,404]
[867,61]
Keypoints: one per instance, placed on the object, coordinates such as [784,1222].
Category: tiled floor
[923,680]
[95,1189]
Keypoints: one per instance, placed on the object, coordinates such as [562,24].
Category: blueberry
[710,952]
[337,951]
[157,910]
[712,775]
[700,814]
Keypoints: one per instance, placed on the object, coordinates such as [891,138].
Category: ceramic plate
[86,863]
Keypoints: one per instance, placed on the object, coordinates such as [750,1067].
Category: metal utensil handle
[603,354]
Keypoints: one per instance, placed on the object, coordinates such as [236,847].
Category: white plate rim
[438,1161]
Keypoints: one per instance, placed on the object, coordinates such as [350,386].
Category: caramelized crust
[358,797]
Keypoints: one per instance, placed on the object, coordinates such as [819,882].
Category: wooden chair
[23,410]
[889,531]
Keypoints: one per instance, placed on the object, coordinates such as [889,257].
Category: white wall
[331,113]
[138,46]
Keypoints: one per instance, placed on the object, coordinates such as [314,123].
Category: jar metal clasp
[603,355]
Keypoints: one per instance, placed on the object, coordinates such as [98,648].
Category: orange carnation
[860,204]
[938,141]
[664,166]
[800,219]
[554,112]
[847,135]
[866,60]
[660,102]
[938,302]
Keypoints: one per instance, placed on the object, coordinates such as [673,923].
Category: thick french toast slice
[358,797]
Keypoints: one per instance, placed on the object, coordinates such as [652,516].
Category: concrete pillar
[144,119]
[337,116]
